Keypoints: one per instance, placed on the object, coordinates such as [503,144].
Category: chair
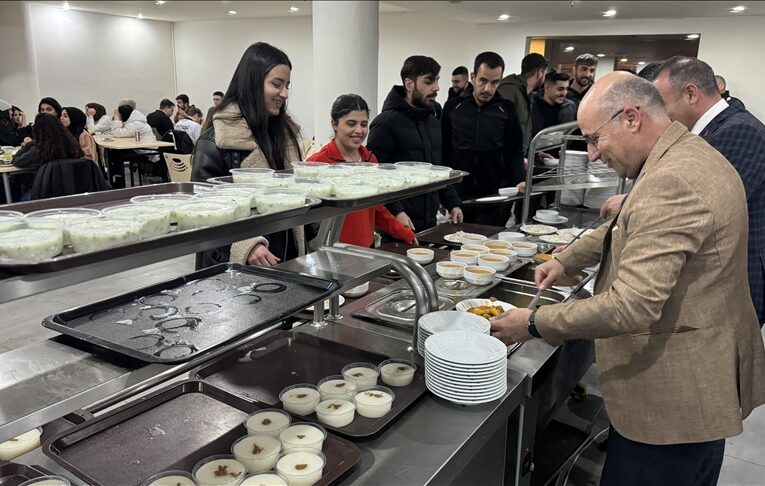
[66,177]
[179,167]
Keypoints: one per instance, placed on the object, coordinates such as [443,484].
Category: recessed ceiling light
[641,63]
[601,55]
[503,17]
[692,36]
[293,9]
[569,48]
[737,9]
[609,13]
[232,12]
[140,16]
[66,6]
[159,2]
[624,59]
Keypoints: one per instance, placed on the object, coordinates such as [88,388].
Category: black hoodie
[402,132]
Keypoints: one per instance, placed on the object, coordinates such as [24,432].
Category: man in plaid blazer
[690,92]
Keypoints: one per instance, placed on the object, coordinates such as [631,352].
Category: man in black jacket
[482,135]
[551,107]
[161,119]
[408,130]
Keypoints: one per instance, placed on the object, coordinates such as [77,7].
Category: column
[345,42]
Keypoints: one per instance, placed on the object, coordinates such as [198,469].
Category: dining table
[107,143]
[7,170]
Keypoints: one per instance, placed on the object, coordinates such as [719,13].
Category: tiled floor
[744,463]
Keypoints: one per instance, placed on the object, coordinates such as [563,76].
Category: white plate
[453,238]
[559,239]
[440,321]
[481,371]
[467,381]
[491,199]
[466,394]
[574,231]
[475,388]
[462,401]
[560,220]
[468,303]
[326,305]
[465,347]
[538,229]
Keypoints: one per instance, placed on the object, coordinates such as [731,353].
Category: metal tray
[436,234]
[103,199]
[173,428]
[261,369]
[13,474]
[455,177]
[172,321]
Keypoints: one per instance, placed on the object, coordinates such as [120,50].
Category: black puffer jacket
[486,141]
[402,132]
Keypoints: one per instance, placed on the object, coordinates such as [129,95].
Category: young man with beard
[407,129]
[481,135]
[584,75]
[459,81]
[518,88]
[551,107]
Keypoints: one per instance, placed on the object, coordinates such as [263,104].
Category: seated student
[51,142]
[350,121]
[98,121]
[161,120]
[127,121]
[191,123]
[74,120]
[49,106]
[8,131]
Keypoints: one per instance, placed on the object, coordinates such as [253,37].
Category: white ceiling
[467,11]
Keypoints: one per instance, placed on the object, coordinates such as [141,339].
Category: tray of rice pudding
[176,320]
[65,232]
[349,391]
[192,433]
[349,184]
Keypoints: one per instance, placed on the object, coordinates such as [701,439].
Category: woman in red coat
[350,121]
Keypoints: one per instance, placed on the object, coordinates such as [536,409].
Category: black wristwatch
[532,326]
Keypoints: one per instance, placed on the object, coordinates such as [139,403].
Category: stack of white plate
[466,368]
[576,162]
[440,321]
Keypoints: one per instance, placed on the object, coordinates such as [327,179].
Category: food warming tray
[172,321]
[104,199]
[13,474]
[173,428]
[260,370]
[455,177]
[436,234]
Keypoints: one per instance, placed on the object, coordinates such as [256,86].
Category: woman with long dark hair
[251,128]
[97,121]
[50,106]
[350,122]
[74,119]
[51,142]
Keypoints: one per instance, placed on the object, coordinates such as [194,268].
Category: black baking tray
[455,177]
[13,474]
[211,306]
[104,199]
[292,357]
[436,234]
[173,428]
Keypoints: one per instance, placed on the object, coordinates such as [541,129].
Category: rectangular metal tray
[455,177]
[173,428]
[436,234]
[104,199]
[197,312]
[13,474]
[261,369]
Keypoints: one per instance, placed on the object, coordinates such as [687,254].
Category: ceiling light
[737,9]
[159,2]
[609,13]
[232,12]
[569,48]
[140,16]
[66,6]
[293,9]
[624,59]
[692,36]
[503,17]
[641,63]
[601,55]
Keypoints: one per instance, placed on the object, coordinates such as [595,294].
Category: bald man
[679,350]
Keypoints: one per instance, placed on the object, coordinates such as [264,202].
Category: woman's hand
[403,218]
[91,112]
[26,141]
[260,256]
[456,216]
[117,115]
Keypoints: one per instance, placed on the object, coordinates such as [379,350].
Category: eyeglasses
[594,137]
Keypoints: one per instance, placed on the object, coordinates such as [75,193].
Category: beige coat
[233,133]
[679,350]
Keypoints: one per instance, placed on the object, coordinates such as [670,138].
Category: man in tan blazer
[679,351]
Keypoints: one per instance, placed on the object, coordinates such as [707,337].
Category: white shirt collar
[710,115]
